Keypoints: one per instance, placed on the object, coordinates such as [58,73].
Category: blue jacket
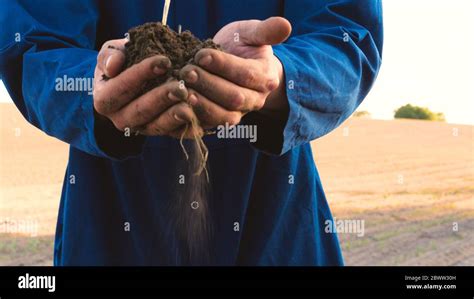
[268,204]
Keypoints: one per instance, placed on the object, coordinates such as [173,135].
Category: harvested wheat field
[411,182]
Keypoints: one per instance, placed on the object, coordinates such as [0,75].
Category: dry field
[412,182]
[32,167]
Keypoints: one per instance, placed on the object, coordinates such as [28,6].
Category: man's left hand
[224,86]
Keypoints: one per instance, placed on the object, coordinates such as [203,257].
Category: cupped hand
[117,94]
[247,76]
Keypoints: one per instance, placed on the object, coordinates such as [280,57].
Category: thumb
[111,57]
[271,31]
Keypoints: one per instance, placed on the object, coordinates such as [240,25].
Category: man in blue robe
[268,205]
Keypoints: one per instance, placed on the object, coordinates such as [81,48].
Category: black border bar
[292,282]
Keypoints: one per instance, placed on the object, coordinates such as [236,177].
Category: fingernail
[165,63]
[177,118]
[171,96]
[158,70]
[205,61]
[191,77]
[162,66]
[192,99]
[107,61]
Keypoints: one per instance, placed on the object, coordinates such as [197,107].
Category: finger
[271,31]
[111,57]
[118,91]
[248,73]
[221,91]
[115,43]
[149,105]
[170,120]
[210,114]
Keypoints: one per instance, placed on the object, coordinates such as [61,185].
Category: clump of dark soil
[190,208]
[152,39]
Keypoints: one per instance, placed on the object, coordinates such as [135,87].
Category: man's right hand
[160,111]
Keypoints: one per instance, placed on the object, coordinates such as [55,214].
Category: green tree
[416,112]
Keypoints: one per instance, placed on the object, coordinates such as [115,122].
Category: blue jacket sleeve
[47,61]
[330,61]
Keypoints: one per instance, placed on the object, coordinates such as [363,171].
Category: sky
[428,60]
